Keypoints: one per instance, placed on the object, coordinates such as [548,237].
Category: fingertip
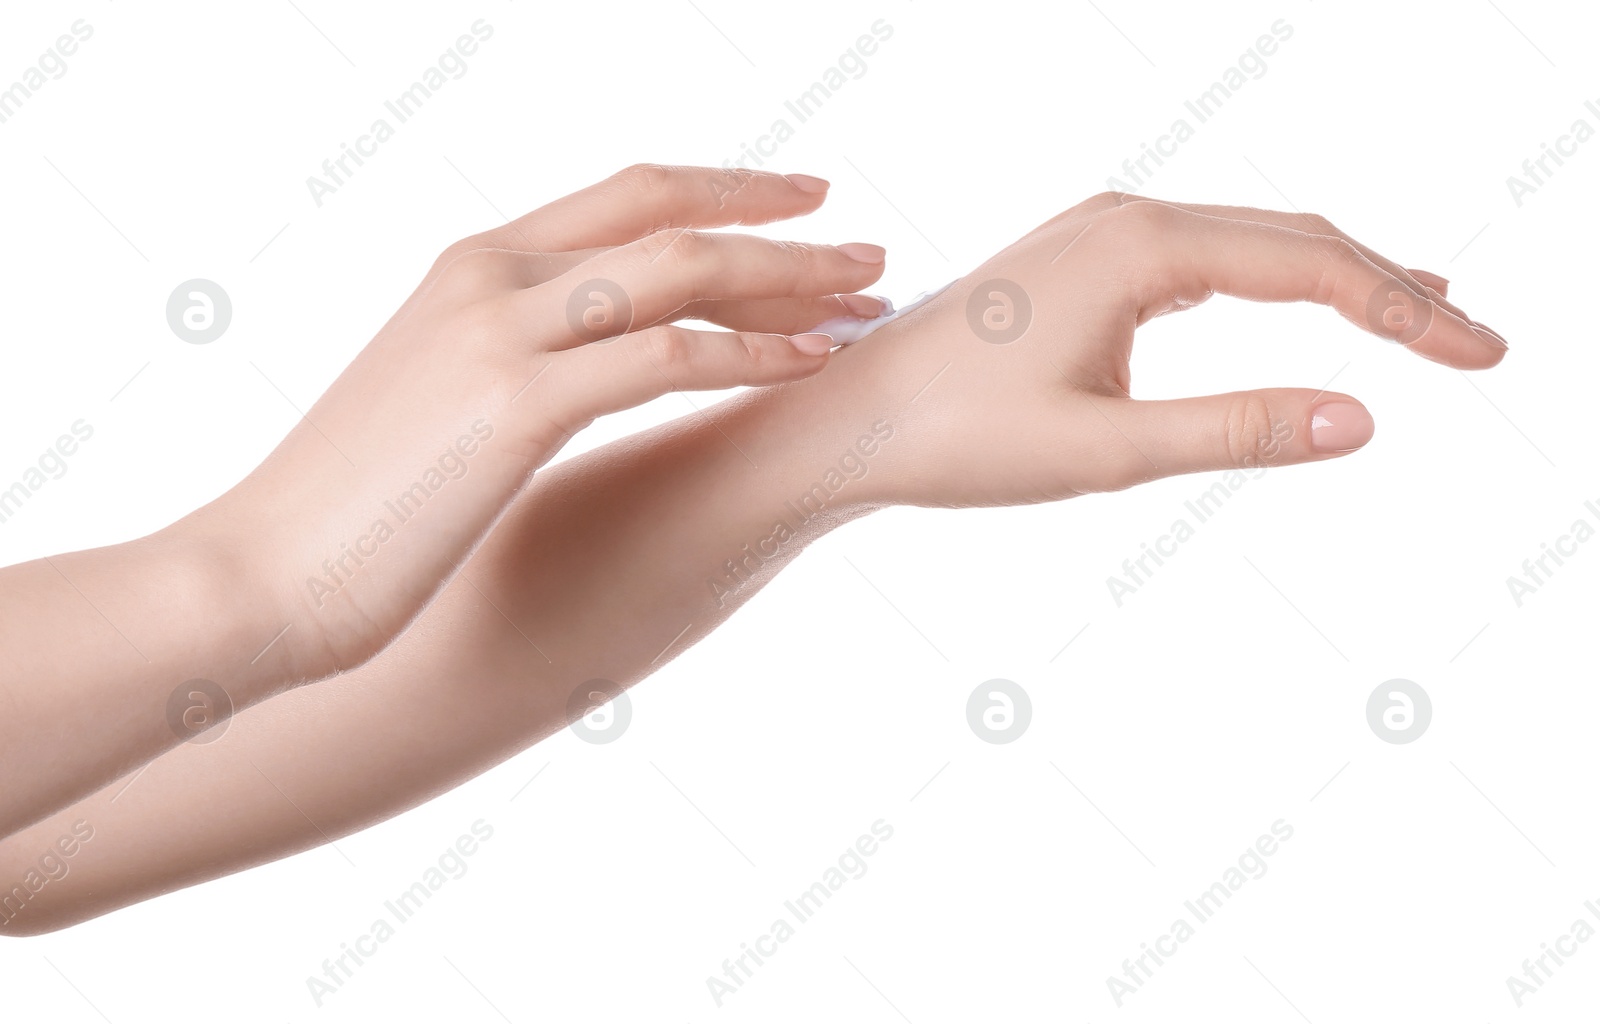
[1432,280]
[1340,425]
[866,307]
[808,183]
[812,344]
[1436,331]
[864,252]
[1495,339]
[1486,350]
[1483,357]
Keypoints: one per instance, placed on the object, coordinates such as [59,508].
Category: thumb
[1247,429]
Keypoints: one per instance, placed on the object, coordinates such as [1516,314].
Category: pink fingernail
[1490,335]
[1340,427]
[806,183]
[865,306]
[1432,280]
[863,252]
[812,344]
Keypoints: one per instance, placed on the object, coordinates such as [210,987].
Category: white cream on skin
[847,330]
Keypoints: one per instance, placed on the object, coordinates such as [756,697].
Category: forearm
[94,646]
[402,467]
[606,568]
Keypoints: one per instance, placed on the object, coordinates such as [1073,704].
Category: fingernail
[863,252]
[806,183]
[1432,280]
[1340,427]
[812,344]
[866,307]
[1489,335]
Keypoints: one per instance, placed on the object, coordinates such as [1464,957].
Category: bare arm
[599,567]
[1009,388]
[333,546]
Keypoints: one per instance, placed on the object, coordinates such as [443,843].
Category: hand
[1025,360]
[516,339]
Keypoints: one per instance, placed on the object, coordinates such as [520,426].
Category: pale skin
[448,682]
[480,370]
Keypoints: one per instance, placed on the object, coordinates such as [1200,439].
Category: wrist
[822,447]
[772,470]
[864,427]
[233,585]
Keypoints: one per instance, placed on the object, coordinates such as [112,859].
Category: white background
[1168,736]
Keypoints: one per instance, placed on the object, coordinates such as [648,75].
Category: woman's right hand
[515,340]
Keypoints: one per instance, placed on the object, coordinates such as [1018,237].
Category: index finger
[646,198]
[1196,254]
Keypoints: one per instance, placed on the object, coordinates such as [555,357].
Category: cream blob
[847,330]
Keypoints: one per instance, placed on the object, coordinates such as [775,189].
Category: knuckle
[728,182]
[473,266]
[1088,211]
[1249,434]
[1103,201]
[454,249]
[645,176]
[668,346]
[798,255]
[1146,215]
[1090,208]
[1341,266]
[453,252]
[1317,224]
[1140,220]
[676,246]
[1340,251]
[758,348]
